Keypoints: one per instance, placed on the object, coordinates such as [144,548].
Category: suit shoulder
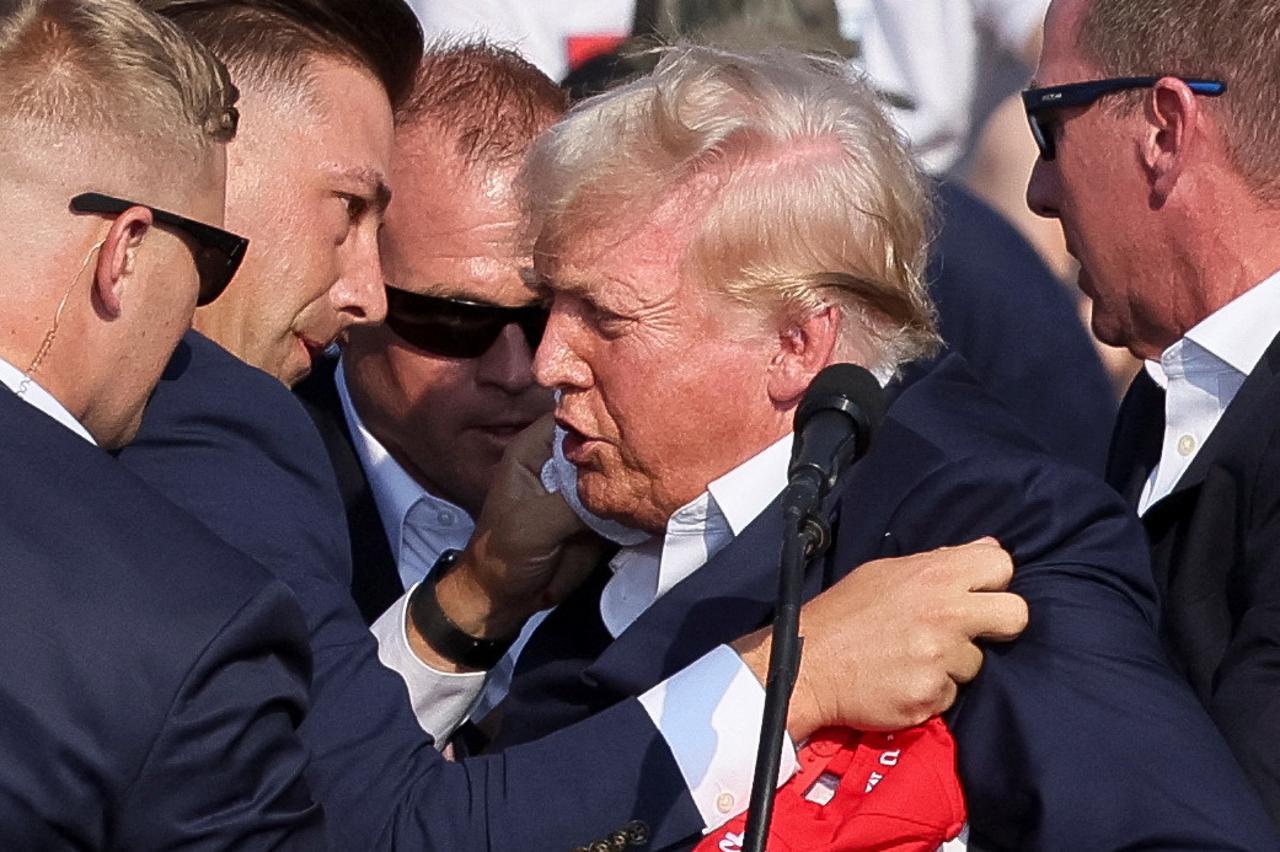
[206,389]
[947,409]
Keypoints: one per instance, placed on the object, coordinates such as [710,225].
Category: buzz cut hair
[488,100]
[107,70]
[272,42]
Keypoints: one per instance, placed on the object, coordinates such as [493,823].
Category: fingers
[984,563]
[964,663]
[532,447]
[1001,617]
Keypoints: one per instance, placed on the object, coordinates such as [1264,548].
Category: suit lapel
[1136,440]
[375,580]
[731,595]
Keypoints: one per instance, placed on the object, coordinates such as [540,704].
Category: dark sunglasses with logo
[458,328]
[218,253]
[1041,103]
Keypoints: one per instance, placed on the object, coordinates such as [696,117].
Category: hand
[529,550]
[888,646]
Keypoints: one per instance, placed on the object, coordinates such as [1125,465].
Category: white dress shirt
[1202,373]
[718,693]
[419,525]
[30,392]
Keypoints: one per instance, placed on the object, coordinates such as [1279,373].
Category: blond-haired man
[711,236]
[151,676]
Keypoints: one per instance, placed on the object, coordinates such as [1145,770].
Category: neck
[1217,256]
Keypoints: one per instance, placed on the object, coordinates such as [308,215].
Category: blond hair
[108,70]
[808,196]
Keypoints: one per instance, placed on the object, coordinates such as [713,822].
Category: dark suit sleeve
[228,763]
[1079,735]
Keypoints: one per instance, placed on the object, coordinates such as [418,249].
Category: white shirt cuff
[441,700]
[709,714]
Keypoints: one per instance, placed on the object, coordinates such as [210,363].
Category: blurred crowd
[402,403]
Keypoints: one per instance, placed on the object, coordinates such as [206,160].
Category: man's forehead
[1060,59]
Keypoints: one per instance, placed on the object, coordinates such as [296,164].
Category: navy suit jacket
[151,677]
[233,446]
[1013,321]
[1078,736]
[1215,547]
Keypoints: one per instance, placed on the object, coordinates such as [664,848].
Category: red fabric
[583,48]
[897,793]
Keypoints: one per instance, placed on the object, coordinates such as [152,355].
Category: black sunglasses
[1040,103]
[458,328]
[218,254]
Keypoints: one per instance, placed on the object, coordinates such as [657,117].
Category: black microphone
[833,429]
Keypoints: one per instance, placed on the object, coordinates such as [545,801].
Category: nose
[556,365]
[360,293]
[1043,189]
[508,363]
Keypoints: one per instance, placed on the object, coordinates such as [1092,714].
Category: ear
[118,258]
[1173,112]
[805,345]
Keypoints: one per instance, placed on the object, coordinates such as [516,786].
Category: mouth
[577,445]
[503,431]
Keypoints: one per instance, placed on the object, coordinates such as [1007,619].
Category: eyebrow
[372,182]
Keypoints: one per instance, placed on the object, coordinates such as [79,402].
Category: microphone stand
[805,537]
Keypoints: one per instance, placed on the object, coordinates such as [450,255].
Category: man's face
[452,232]
[663,381]
[307,184]
[1095,189]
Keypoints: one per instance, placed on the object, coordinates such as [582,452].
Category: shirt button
[445,519]
[1186,445]
[725,802]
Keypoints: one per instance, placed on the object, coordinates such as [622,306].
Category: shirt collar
[744,492]
[395,492]
[1240,331]
[37,396]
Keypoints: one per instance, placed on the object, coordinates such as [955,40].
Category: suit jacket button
[637,832]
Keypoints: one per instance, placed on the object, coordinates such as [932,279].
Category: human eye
[355,206]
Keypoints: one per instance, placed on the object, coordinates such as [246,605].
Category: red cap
[858,791]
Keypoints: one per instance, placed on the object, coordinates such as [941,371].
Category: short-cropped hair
[1230,40]
[802,194]
[489,101]
[271,42]
[108,70]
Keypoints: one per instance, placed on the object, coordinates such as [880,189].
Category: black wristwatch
[447,638]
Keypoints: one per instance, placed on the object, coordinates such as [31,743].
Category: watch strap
[447,638]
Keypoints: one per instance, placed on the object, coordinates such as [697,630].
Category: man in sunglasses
[151,676]
[1158,133]
[418,414]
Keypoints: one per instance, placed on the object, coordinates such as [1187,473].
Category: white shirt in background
[954,59]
